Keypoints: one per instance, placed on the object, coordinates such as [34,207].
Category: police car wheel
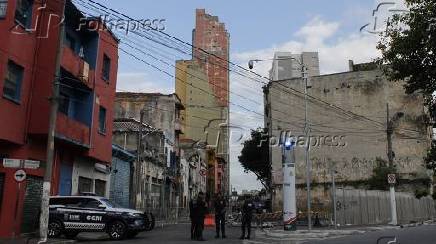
[117,230]
[54,229]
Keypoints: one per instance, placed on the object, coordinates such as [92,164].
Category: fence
[365,207]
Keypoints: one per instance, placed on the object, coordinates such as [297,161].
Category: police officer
[247,215]
[193,216]
[198,210]
[220,216]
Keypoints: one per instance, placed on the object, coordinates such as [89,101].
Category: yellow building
[204,120]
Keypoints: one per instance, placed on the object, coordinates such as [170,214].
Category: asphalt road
[170,234]
[425,234]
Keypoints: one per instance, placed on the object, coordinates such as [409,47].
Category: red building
[211,36]
[29,34]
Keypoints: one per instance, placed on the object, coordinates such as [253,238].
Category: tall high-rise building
[287,65]
[211,50]
[203,87]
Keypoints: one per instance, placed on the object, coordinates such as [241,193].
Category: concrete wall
[120,182]
[360,207]
[343,141]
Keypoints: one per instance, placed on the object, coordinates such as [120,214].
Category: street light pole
[305,77]
[289,196]
[45,198]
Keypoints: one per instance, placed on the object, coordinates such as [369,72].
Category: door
[65,179]
[32,204]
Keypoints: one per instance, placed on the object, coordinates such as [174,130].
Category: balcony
[72,131]
[77,66]
[178,126]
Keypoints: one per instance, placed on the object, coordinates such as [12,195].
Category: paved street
[171,234]
[411,235]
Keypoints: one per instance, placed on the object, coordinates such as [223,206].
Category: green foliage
[409,48]
[423,192]
[379,178]
[254,156]
[430,158]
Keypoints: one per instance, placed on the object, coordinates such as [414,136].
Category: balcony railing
[72,131]
[78,67]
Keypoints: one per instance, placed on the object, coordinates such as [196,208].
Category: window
[102,120]
[12,85]
[91,203]
[23,12]
[70,42]
[100,188]
[64,103]
[106,67]
[3,8]
[85,184]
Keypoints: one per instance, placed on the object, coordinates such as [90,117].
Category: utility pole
[289,196]
[54,104]
[333,173]
[389,132]
[137,167]
[307,134]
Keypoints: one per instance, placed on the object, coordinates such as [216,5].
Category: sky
[257,29]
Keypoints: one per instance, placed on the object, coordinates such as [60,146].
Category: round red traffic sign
[20,175]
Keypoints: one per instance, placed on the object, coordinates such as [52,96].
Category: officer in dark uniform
[198,210]
[220,216]
[247,215]
[192,216]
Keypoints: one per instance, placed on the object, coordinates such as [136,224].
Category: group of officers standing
[198,208]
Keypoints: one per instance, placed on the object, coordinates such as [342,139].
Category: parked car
[70,215]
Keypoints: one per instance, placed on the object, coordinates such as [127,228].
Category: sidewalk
[278,235]
[32,240]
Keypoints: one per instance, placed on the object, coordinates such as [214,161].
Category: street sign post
[20,175]
[20,163]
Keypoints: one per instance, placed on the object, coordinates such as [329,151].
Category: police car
[70,215]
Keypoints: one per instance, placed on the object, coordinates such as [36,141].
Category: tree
[409,48]
[409,53]
[379,178]
[255,156]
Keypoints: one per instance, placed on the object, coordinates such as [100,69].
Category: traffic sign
[31,164]
[11,163]
[392,179]
[20,175]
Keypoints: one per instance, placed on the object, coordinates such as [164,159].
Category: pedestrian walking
[247,215]
[197,213]
[220,216]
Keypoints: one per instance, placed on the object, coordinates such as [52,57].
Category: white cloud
[319,35]
[140,82]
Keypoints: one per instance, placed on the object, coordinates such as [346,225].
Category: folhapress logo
[54,20]
[381,17]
